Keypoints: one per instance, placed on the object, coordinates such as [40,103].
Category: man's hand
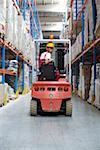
[47,61]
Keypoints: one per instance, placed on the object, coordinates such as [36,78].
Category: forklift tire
[68,111]
[33,107]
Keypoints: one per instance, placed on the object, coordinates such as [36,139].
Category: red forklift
[52,96]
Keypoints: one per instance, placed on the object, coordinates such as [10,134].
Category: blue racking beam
[24,7]
[77,69]
[16,79]
[76,10]
[3,63]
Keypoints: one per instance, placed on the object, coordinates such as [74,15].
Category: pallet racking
[11,52]
[90,51]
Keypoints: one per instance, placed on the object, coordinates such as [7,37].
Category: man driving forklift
[47,67]
[46,56]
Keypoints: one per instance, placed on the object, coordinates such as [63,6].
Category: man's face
[49,49]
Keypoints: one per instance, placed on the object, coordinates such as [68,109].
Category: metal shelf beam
[13,49]
[4,71]
[86,50]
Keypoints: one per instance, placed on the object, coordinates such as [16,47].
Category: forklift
[53,96]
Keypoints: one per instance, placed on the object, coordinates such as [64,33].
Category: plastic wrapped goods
[91,92]
[86,79]
[2,15]
[13,66]
[90,14]
[26,78]
[27,19]
[15,27]
[86,31]
[1,94]
[11,94]
[24,39]
[97,93]
[20,31]
[9,21]
[80,81]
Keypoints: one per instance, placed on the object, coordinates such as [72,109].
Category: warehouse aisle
[19,131]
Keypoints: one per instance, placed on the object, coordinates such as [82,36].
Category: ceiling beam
[50,8]
[50,19]
[54,26]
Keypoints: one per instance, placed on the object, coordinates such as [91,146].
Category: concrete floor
[19,131]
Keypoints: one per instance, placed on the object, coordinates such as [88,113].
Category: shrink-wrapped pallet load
[91,92]
[9,21]
[27,19]
[2,16]
[20,31]
[97,93]
[86,78]
[1,94]
[86,30]
[15,27]
[26,77]
[80,81]
[90,14]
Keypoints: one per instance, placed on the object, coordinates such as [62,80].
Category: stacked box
[2,16]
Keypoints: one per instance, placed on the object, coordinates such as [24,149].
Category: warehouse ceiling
[52,16]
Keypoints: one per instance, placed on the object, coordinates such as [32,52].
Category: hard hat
[50,44]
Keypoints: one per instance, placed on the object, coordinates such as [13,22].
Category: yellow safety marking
[17,93]
[5,99]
